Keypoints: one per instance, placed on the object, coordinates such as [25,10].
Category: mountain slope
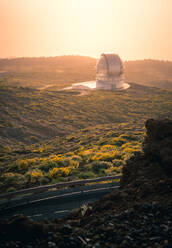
[138,215]
[29,116]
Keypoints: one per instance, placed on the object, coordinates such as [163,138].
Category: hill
[29,115]
[138,215]
[154,73]
[48,137]
[58,72]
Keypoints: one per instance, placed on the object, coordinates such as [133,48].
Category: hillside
[29,116]
[154,73]
[47,137]
[58,72]
[138,215]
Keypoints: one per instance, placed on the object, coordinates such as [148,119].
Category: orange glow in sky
[135,29]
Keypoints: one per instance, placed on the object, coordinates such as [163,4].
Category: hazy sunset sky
[135,29]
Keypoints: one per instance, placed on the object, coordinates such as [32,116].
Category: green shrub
[98,166]
[86,175]
[64,162]
[14,179]
[46,166]
[45,180]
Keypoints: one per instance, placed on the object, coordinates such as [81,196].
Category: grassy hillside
[48,136]
[30,116]
[91,153]
[75,136]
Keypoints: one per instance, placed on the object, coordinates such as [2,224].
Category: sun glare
[86,15]
[134,29]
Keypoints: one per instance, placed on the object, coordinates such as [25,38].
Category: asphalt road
[55,205]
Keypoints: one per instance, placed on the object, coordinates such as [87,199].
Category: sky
[134,29]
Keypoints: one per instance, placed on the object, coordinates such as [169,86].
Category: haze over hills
[154,73]
[38,72]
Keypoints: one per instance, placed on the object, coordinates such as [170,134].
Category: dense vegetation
[49,136]
[41,165]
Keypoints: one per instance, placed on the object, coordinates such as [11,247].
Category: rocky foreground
[138,215]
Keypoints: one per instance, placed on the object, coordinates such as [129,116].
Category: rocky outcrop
[155,161]
[158,143]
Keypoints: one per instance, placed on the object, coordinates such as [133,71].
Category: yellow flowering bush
[112,170]
[129,150]
[56,158]
[57,172]
[86,154]
[106,156]
[64,171]
[36,175]
[54,173]
[107,148]
[74,163]
[118,141]
[41,149]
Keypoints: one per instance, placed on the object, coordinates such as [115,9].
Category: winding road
[56,204]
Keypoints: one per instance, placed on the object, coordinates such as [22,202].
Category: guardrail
[40,189]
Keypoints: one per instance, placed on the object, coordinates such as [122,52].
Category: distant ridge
[157,73]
